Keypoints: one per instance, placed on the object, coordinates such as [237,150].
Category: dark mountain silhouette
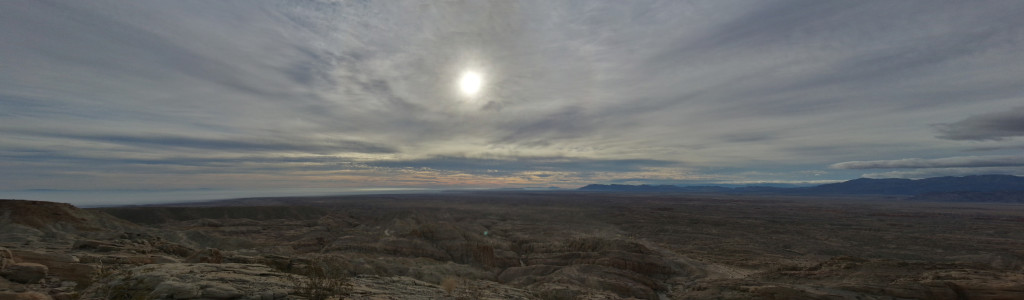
[1004,197]
[654,188]
[891,186]
[862,186]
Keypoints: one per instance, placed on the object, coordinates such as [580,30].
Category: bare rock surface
[25,272]
[520,246]
[52,223]
[193,281]
[60,264]
[24,296]
[400,287]
[6,257]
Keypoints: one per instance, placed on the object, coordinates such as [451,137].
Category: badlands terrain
[516,245]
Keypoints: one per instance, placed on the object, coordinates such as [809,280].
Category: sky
[333,95]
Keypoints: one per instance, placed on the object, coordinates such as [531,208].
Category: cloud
[527,164]
[995,148]
[362,93]
[947,162]
[990,126]
[938,172]
[235,144]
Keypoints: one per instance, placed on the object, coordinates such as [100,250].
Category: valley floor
[526,245]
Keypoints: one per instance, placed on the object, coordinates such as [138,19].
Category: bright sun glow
[470,83]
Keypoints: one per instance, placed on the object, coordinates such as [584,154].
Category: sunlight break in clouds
[470,83]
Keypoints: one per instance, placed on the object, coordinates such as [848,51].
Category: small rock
[25,272]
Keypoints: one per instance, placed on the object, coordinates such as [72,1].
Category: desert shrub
[470,290]
[322,279]
[449,284]
[120,285]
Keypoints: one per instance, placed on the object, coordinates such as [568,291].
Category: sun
[470,83]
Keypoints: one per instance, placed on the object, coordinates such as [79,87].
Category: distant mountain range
[967,187]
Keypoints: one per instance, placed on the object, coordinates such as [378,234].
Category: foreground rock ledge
[194,281]
[260,282]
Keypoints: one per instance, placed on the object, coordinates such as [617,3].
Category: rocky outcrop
[259,282]
[62,265]
[25,272]
[213,256]
[977,284]
[58,217]
[56,225]
[24,296]
[194,281]
[607,249]
[133,242]
[400,287]
[6,258]
[526,275]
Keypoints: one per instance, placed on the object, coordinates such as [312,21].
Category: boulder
[6,258]
[25,272]
[65,266]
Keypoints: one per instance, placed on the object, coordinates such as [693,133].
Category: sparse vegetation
[324,278]
[628,247]
[470,290]
[449,284]
[121,285]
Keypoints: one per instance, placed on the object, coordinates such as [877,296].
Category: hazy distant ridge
[862,186]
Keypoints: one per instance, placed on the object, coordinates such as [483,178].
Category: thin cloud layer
[990,126]
[947,162]
[938,172]
[321,94]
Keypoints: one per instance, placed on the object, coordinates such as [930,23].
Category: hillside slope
[862,186]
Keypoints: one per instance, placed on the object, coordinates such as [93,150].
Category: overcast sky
[165,95]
